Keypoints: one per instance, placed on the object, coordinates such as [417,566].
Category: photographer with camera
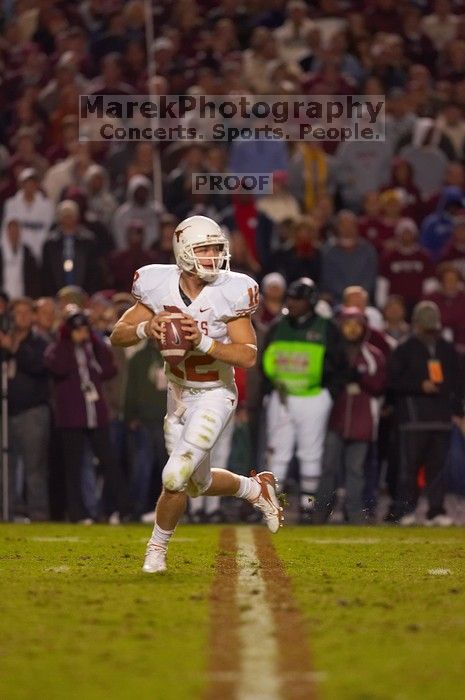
[28,406]
[80,360]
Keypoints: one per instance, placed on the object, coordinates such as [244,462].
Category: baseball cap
[303,288]
[406,224]
[27,174]
[346,312]
[427,316]
[75,317]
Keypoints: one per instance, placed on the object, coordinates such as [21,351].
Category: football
[173,345]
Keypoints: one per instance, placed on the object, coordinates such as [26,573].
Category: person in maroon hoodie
[371,224]
[353,421]
[79,362]
[406,269]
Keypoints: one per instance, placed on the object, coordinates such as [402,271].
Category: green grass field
[79,620]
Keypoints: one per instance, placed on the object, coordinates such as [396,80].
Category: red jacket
[355,415]
[74,408]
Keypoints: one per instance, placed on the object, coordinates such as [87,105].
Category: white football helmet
[200,231]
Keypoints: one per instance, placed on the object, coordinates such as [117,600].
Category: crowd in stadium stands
[378,226]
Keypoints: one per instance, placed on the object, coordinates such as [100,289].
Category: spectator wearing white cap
[32,209]
[407,270]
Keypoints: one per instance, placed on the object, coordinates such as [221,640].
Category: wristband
[206,344]
[212,347]
[141,330]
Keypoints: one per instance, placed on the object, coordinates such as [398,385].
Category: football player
[217,305]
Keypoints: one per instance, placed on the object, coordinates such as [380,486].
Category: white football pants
[219,457]
[299,426]
[195,420]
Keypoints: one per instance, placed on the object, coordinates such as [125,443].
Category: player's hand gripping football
[191,329]
[155,325]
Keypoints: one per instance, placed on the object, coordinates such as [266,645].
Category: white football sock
[248,488]
[161,537]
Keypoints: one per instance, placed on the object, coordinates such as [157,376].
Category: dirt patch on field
[295,668]
[224,662]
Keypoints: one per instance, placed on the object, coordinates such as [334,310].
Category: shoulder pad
[241,293]
[149,279]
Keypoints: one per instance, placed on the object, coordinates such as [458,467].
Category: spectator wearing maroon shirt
[392,208]
[450,299]
[370,223]
[455,250]
[123,263]
[406,269]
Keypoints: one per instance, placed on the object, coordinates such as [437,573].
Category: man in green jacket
[144,410]
[306,366]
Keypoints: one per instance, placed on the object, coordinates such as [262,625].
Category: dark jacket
[87,270]
[408,369]
[355,415]
[72,403]
[29,385]
[145,399]
[31,274]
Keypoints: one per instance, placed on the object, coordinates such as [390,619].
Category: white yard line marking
[56,539]
[342,540]
[439,572]
[257,633]
[173,540]
[378,540]
[58,569]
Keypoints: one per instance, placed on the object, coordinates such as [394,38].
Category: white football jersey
[230,296]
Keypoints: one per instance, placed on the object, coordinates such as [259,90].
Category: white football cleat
[441,520]
[408,520]
[267,501]
[155,559]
